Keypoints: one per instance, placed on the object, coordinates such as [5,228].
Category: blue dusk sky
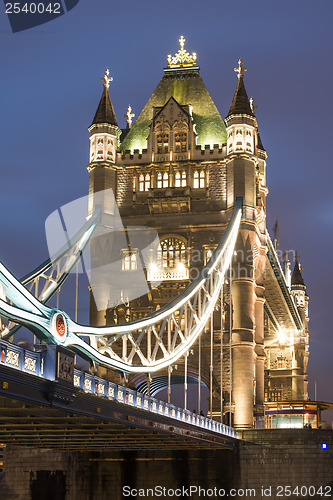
[50,88]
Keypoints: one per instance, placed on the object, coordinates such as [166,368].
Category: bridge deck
[42,413]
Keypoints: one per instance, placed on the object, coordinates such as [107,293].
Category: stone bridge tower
[179,170]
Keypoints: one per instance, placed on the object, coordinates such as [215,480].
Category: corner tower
[104,139]
[246,178]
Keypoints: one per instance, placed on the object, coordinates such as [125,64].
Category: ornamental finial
[240,70]
[129,115]
[182,58]
[106,78]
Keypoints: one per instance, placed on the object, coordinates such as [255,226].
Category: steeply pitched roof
[297,278]
[105,112]
[187,88]
[240,103]
[260,146]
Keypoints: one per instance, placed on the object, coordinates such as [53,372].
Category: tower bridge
[215,286]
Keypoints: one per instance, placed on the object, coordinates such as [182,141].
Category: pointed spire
[105,112]
[297,278]
[240,102]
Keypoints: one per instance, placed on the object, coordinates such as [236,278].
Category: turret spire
[297,278]
[240,103]
[105,112]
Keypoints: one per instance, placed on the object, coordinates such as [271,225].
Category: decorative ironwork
[182,57]
[106,78]
[240,70]
[145,345]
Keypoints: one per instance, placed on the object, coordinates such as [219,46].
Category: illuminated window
[276,396]
[180,142]
[162,142]
[144,182]
[141,182]
[100,143]
[180,179]
[147,182]
[165,180]
[110,149]
[199,179]
[171,252]
[281,362]
[129,260]
[208,253]
[159,180]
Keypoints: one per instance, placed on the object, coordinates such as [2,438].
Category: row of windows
[163,180]
[170,253]
[273,396]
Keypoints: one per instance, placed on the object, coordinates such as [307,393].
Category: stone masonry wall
[269,464]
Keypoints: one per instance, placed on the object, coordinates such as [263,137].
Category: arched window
[177,179]
[147,182]
[180,142]
[180,130]
[171,253]
[100,145]
[162,137]
[110,150]
[184,177]
[159,180]
[165,180]
[141,182]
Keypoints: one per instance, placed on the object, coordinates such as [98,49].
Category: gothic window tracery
[110,149]
[180,130]
[171,253]
[100,144]
[162,137]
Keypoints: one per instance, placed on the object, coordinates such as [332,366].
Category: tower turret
[246,179]
[104,130]
[104,138]
[241,121]
[298,290]
[301,351]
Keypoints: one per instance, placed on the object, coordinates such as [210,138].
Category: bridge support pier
[243,352]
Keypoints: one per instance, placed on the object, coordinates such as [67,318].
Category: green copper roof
[187,88]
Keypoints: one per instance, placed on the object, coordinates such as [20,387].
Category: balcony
[169,200]
[178,273]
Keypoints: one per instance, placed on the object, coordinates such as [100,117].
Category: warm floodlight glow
[282,337]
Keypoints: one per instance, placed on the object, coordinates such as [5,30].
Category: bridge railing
[32,362]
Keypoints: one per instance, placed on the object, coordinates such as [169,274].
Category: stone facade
[267,464]
[179,171]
